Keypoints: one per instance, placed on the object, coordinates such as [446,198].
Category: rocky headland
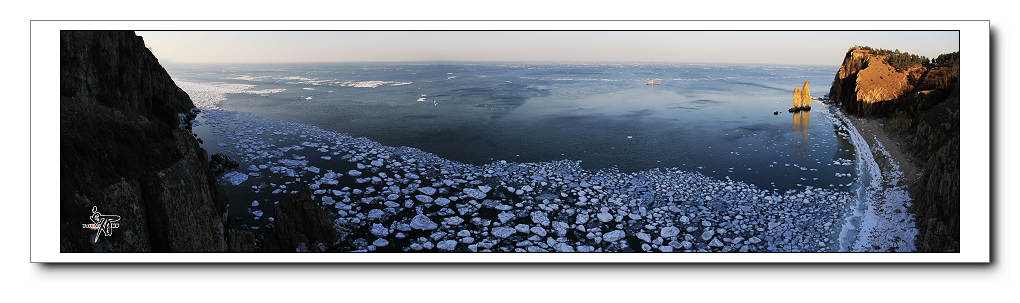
[127,148]
[916,105]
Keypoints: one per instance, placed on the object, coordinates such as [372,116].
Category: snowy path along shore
[881,220]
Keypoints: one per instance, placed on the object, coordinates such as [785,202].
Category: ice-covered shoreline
[504,206]
[420,200]
[880,220]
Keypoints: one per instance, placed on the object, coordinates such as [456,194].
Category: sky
[766,47]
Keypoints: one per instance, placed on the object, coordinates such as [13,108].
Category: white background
[974,172]
[495,282]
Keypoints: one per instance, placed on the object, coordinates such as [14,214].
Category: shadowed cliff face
[920,105]
[126,147]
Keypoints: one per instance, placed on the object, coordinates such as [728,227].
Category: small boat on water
[653,82]
[422,99]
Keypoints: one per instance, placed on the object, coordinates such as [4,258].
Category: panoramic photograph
[509,141]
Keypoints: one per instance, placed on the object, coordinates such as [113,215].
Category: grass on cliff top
[903,60]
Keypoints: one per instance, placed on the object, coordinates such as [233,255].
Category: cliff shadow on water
[918,102]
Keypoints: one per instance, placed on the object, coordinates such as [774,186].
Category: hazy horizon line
[644,47]
[426,62]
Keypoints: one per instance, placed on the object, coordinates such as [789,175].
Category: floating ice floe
[505,206]
[208,95]
[235,178]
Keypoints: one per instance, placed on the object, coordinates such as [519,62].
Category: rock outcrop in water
[801,98]
[304,226]
[921,105]
[805,97]
[127,148]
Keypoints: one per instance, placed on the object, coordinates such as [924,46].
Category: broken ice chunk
[235,178]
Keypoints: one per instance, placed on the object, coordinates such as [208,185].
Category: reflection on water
[801,122]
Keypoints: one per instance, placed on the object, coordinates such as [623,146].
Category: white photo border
[975,144]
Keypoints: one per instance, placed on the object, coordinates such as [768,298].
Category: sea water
[722,122]
[715,119]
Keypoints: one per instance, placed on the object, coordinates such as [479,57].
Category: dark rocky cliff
[921,105]
[302,225]
[126,147]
